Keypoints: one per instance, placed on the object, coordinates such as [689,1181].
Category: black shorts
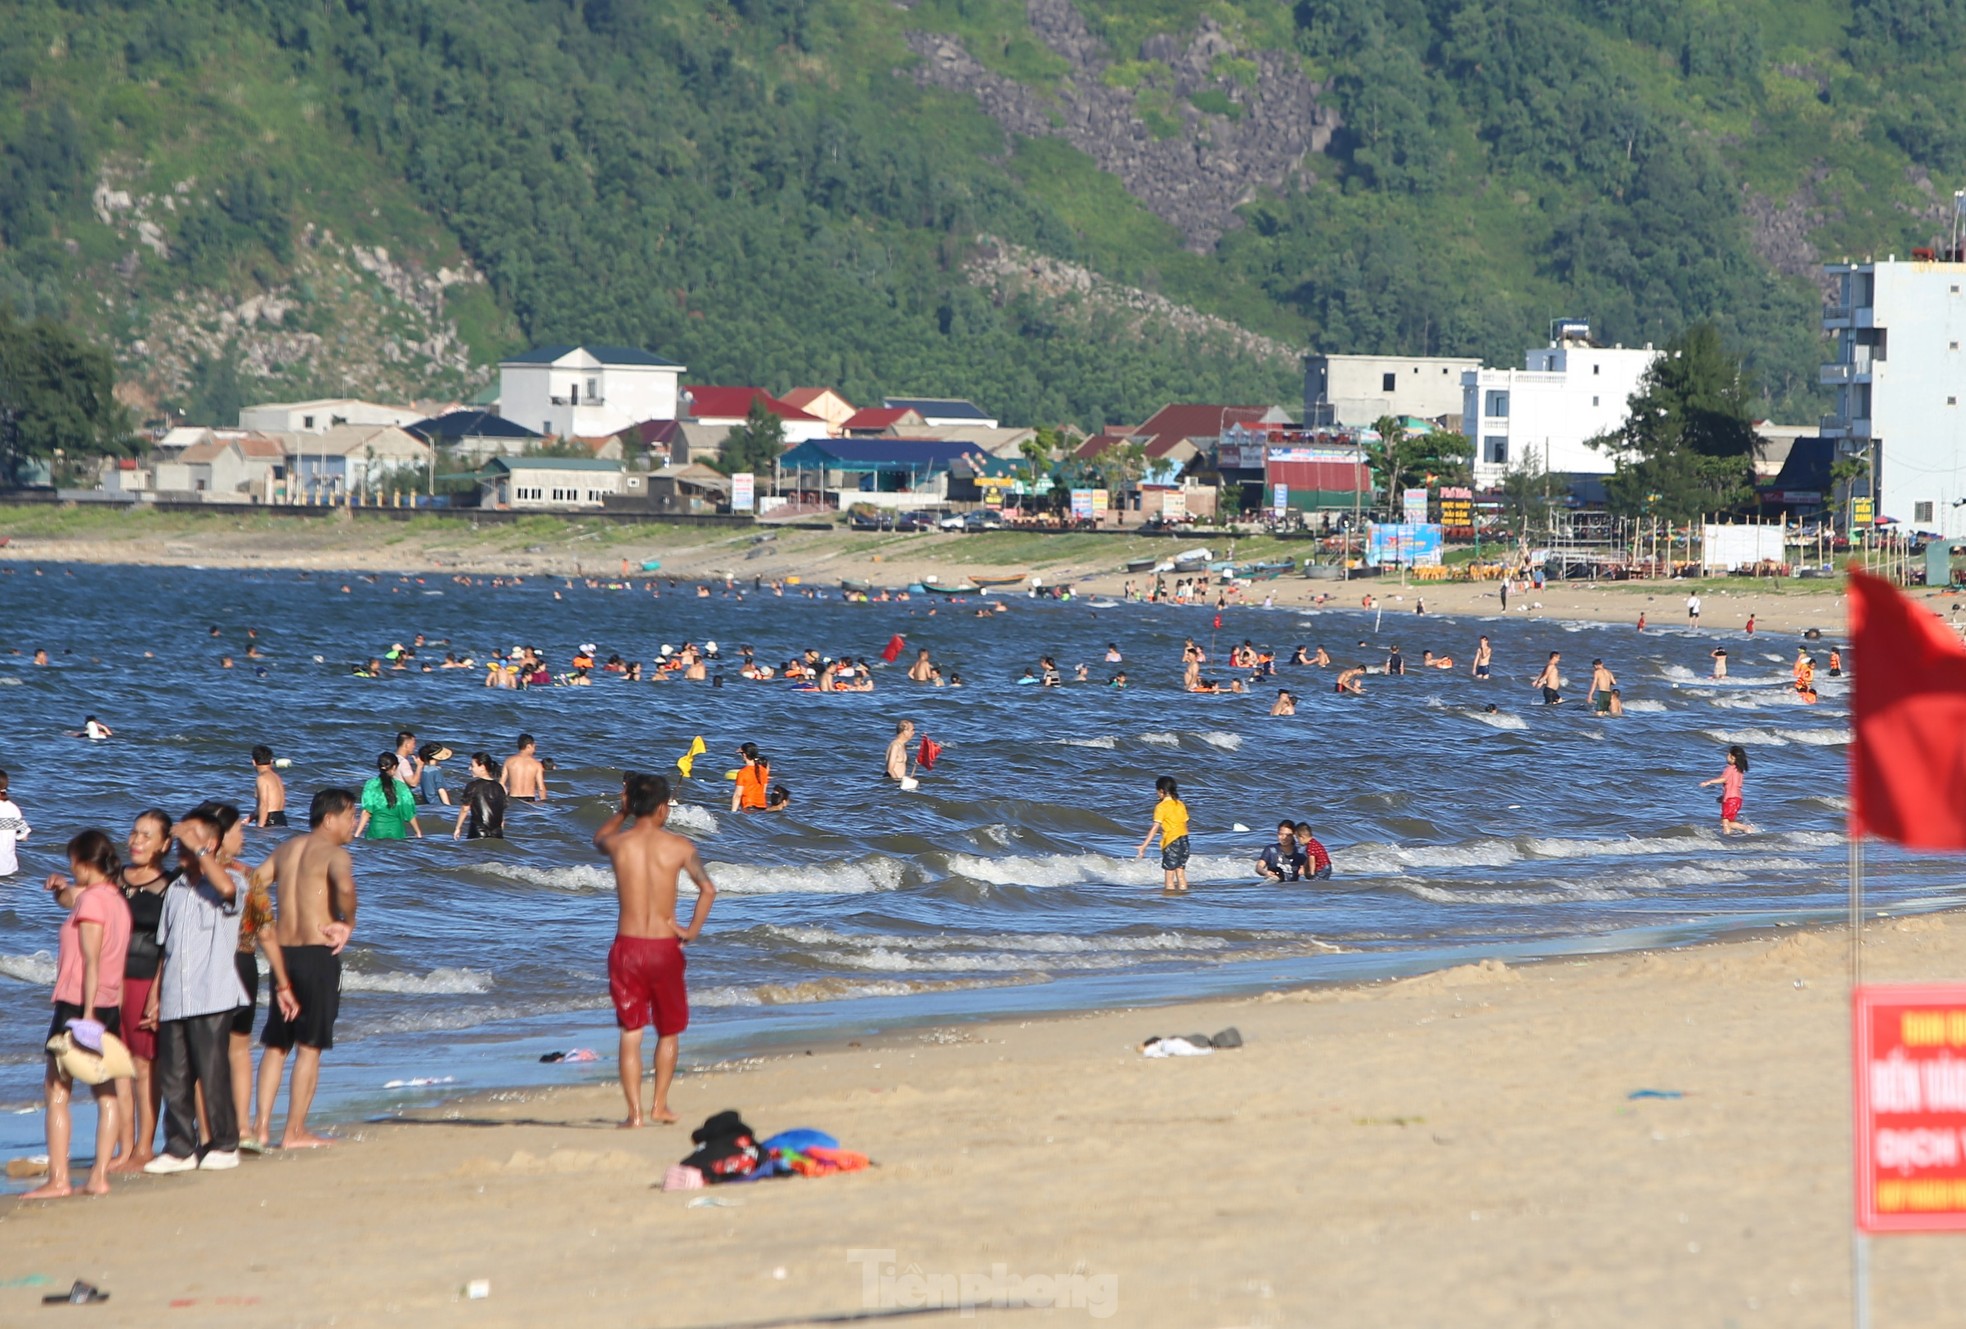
[276,818]
[242,1017]
[1551,697]
[315,972]
[1481,671]
[111,1017]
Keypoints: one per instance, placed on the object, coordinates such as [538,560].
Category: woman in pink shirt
[95,939]
[1730,781]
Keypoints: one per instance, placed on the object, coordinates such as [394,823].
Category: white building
[536,483]
[1358,389]
[1900,378]
[586,391]
[318,417]
[1566,394]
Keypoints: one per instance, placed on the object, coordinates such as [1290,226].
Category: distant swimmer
[1484,656]
[1641,620]
[1431,661]
[1282,861]
[646,964]
[1719,654]
[481,808]
[923,669]
[269,790]
[94,728]
[1317,864]
[1171,824]
[1550,680]
[896,765]
[1835,663]
[1730,782]
[750,792]
[1395,663]
[1348,681]
[1322,659]
[524,777]
[1285,703]
[779,800]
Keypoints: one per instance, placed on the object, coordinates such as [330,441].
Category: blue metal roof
[946,408]
[884,454]
[468,424]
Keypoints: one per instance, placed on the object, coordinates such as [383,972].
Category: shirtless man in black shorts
[316,915]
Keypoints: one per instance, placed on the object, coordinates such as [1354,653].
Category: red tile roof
[1098,443]
[711,403]
[879,417]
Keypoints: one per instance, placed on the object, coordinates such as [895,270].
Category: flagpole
[1859,1241]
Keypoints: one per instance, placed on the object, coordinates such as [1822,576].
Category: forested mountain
[252,197]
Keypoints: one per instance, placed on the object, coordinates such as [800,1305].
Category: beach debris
[1190,1045]
[19,1169]
[477,1289]
[27,1280]
[572,1055]
[421,1082]
[713,1202]
[82,1294]
[1656,1093]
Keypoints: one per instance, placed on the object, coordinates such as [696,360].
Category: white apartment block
[1566,394]
[586,391]
[1900,379]
[1358,389]
[322,414]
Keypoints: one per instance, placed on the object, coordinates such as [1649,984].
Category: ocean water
[1008,883]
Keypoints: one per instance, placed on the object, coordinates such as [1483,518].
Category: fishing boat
[1016,579]
[651,565]
[1140,564]
[1266,571]
[856,587]
[936,588]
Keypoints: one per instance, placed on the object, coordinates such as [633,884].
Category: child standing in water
[1171,821]
[1730,781]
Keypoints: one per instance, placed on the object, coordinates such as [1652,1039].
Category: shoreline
[561,547]
[1461,1138]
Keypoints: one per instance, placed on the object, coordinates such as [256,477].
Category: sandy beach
[1460,1148]
[371,543]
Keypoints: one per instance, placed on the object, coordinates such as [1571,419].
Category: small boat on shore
[1016,579]
[1140,564]
[936,588]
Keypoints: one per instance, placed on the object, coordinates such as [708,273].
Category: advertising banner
[1082,505]
[1910,1124]
[1402,544]
[1414,509]
[743,491]
[1280,497]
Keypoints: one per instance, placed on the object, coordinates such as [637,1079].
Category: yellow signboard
[1860,512]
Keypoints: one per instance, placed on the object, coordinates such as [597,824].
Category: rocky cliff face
[1191,167]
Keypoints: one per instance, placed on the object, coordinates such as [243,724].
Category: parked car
[919,520]
[872,521]
[984,520]
[952,521]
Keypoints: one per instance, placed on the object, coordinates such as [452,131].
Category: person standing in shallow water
[1730,781]
[1171,823]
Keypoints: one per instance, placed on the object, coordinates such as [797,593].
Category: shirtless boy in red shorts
[645,964]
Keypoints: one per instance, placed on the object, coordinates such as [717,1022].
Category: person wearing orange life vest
[753,781]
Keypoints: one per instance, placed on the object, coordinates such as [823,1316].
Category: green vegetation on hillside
[760,189]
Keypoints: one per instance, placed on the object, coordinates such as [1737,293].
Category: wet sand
[1456,1149]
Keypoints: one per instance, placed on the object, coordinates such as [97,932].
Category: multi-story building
[1359,389]
[586,391]
[1546,413]
[1900,378]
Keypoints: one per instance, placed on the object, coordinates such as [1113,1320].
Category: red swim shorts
[645,978]
[1730,809]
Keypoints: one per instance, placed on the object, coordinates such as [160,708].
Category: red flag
[926,754]
[892,651]
[1908,710]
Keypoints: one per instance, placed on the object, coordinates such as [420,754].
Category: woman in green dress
[388,805]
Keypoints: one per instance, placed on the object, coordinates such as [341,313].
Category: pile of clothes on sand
[728,1150]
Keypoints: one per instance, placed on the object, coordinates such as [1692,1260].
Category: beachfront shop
[883,472]
[1308,478]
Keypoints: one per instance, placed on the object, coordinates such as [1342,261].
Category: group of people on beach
[158,985]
